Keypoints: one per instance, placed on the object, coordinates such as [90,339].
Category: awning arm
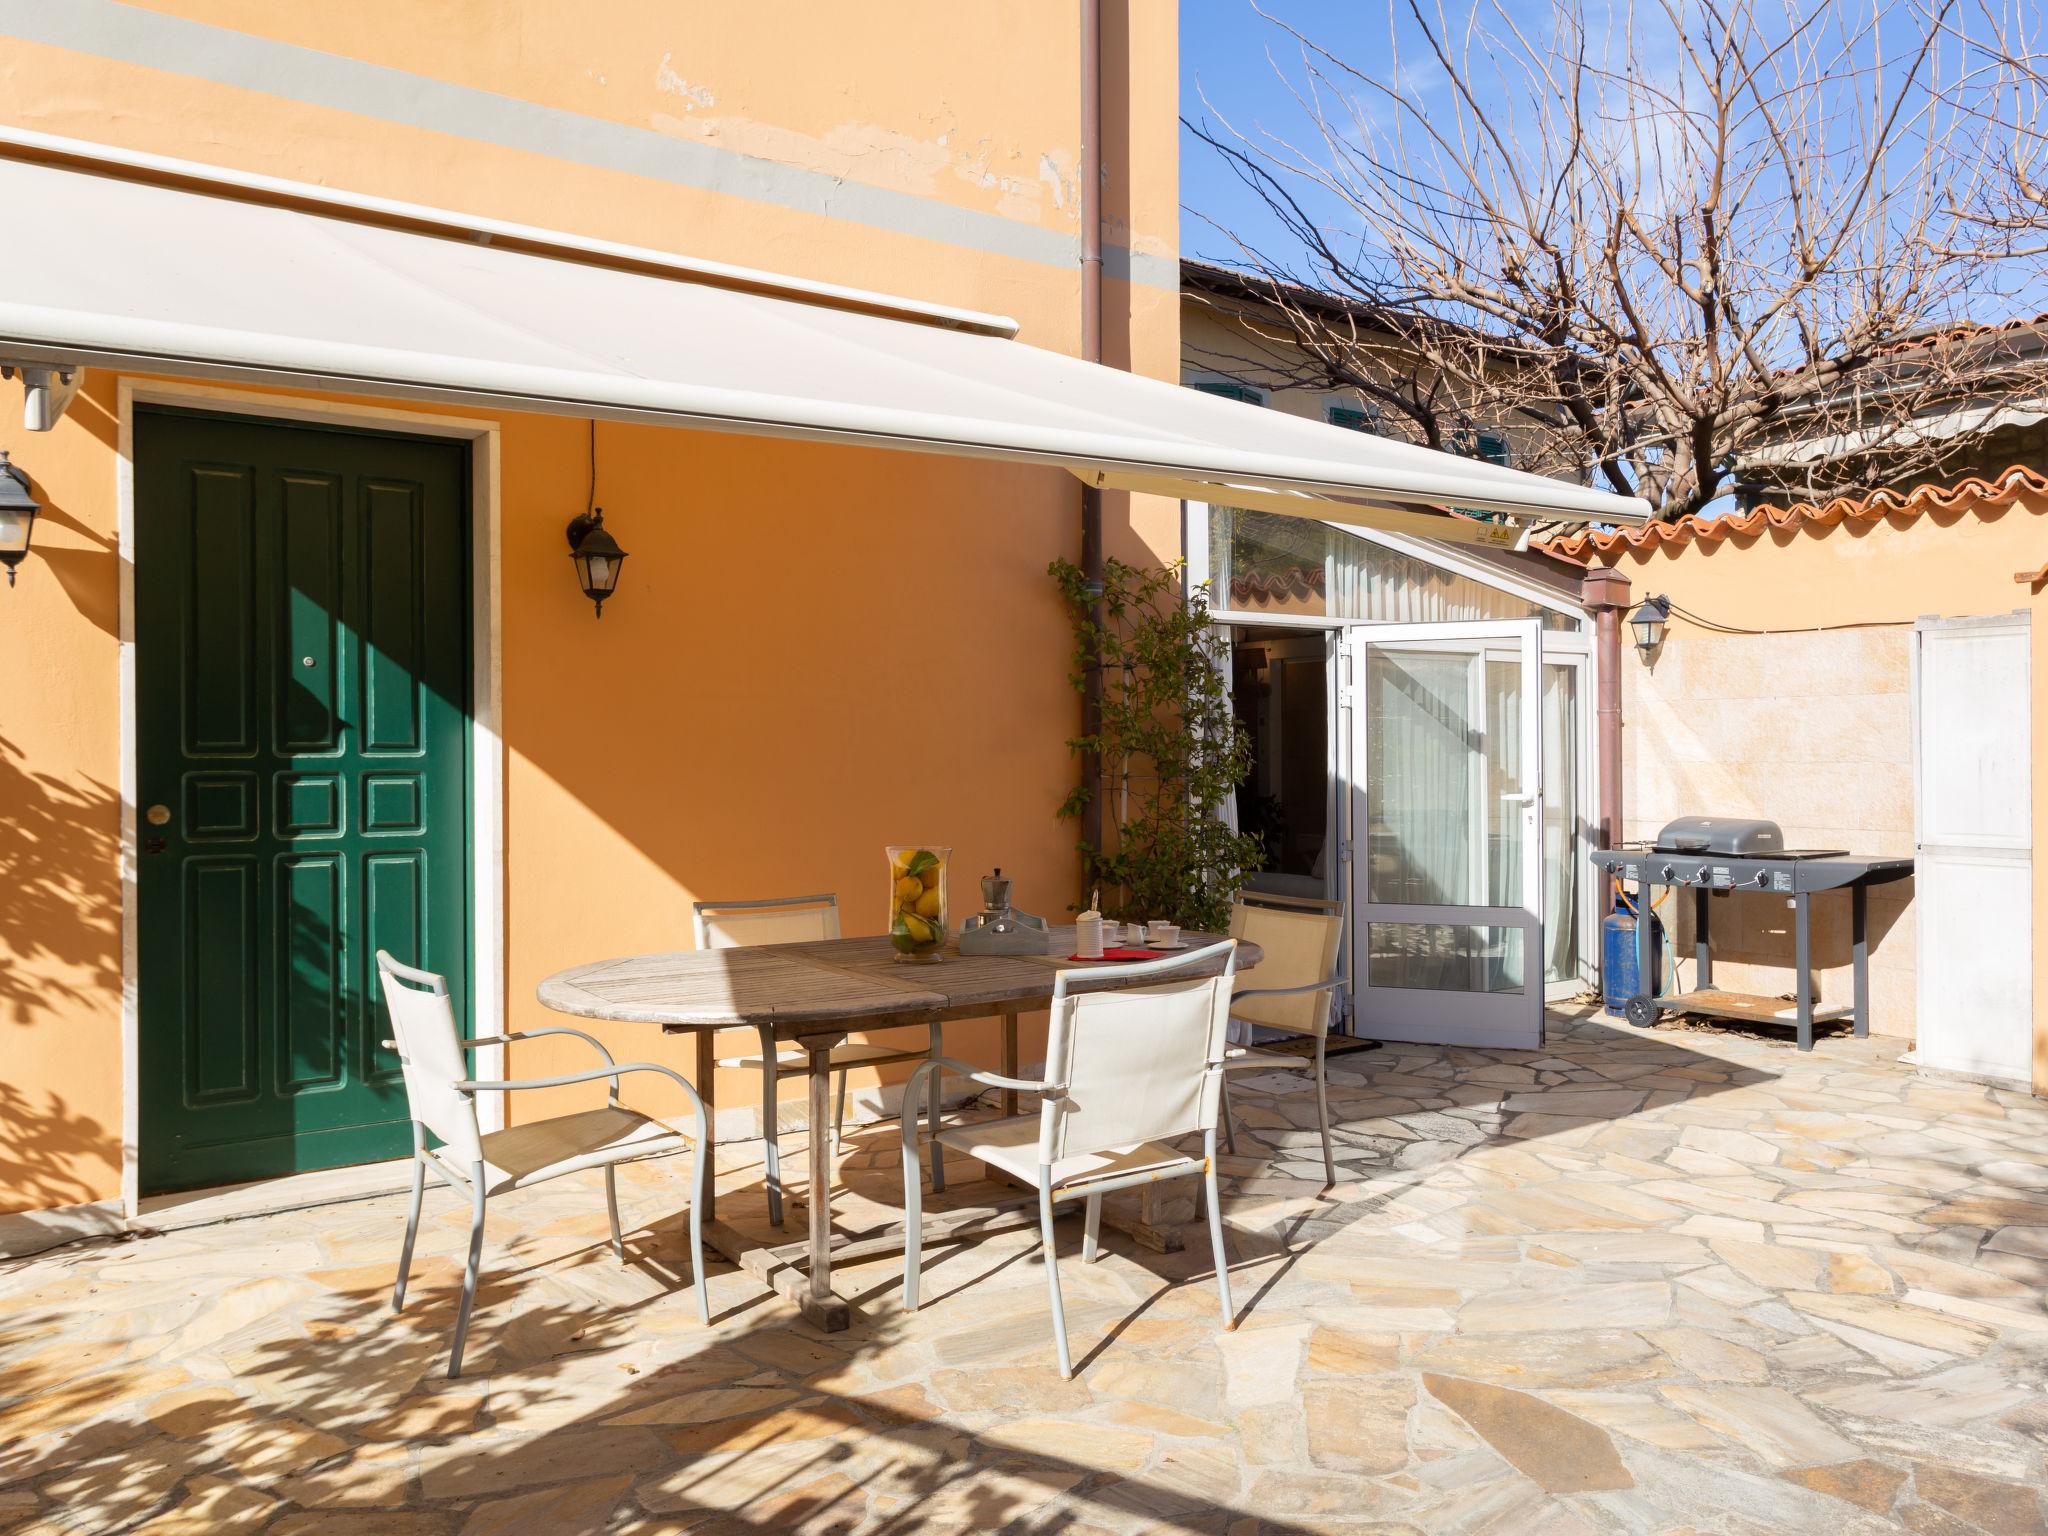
[1394,517]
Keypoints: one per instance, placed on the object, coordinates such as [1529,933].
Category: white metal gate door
[1973,877]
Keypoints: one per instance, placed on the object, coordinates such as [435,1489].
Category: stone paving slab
[1637,1282]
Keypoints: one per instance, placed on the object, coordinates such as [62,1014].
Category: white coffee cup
[1161,934]
[1112,933]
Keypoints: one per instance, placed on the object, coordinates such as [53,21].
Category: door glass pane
[1440,758]
[1444,957]
[1503,778]
[1422,775]
[1560,823]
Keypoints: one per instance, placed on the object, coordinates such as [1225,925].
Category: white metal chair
[1302,938]
[441,1096]
[1133,1060]
[790,920]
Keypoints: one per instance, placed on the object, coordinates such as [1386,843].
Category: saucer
[1168,948]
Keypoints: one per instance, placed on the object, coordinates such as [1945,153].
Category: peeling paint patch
[1049,173]
[694,96]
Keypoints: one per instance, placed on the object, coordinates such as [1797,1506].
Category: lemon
[918,928]
[909,887]
[928,904]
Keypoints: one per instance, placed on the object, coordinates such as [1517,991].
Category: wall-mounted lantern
[1648,622]
[597,556]
[17,516]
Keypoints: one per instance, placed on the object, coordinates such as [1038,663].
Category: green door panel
[302,685]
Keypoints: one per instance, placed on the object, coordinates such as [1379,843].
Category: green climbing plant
[1172,750]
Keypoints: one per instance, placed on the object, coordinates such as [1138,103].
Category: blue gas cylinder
[1618,980]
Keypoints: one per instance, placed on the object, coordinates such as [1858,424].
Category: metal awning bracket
[46,389]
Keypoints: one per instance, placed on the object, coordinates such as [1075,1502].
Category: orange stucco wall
[1813,728]
[746,719]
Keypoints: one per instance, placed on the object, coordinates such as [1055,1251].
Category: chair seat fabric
[526,1154]
[790,1062]
[1012,1145]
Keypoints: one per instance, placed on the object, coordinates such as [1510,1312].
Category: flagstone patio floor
[1681,1280]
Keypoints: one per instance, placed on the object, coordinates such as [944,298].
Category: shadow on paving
[750,1432]
[766,1426]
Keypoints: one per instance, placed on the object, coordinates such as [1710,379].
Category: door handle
[158,815]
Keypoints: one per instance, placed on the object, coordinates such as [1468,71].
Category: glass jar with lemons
[917,900]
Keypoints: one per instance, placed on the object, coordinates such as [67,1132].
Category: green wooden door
[302,710]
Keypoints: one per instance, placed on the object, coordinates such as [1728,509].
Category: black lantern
[17,516]
[1648,622]
[597,556]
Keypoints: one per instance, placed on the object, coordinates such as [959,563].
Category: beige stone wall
[1812,730]
[1812,726]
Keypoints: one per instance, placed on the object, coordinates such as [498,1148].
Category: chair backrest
[430,1050]
[772,920]
[1135,1058]
[1300,938]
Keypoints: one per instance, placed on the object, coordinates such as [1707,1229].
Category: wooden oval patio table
[814,995]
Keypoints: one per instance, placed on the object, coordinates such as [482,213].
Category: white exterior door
[1973,876]
[1447,832]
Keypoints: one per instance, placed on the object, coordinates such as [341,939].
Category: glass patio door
[1448,832]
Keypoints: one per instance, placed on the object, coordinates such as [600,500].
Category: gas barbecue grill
[1718,854]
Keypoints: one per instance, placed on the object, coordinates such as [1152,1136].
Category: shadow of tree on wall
[60,891]
[44,1143]
[60,949]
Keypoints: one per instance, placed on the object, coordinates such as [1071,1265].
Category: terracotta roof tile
[1974,493]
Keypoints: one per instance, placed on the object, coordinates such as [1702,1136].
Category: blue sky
[1223,55]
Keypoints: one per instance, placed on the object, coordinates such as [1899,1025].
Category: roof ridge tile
[1998,491]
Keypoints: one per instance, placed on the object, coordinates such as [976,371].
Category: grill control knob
[1761,879]
[1667,871]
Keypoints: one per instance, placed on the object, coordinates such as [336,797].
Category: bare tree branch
[1655,251]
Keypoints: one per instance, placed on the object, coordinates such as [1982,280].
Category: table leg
[1802,958]
[1646,984]
[1859,939]
[707,1074]
[820,1297]
[1702,951]
[1009,1058]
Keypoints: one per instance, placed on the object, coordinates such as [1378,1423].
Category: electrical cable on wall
[1797,629]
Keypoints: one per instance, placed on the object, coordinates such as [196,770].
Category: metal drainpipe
[1605,594]
[1090,172]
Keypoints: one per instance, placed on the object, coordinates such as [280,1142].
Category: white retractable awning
[133,271]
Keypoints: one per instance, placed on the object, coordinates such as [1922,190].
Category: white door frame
[1498,1020]
[487,759]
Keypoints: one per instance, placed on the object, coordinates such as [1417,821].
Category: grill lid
[1720,834]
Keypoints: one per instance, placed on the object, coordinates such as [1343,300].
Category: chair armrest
[1313,986]
[915,1085]
[588,1075]
[479,1041]
[983,1075]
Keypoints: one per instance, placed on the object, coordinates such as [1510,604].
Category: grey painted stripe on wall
[131,35]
